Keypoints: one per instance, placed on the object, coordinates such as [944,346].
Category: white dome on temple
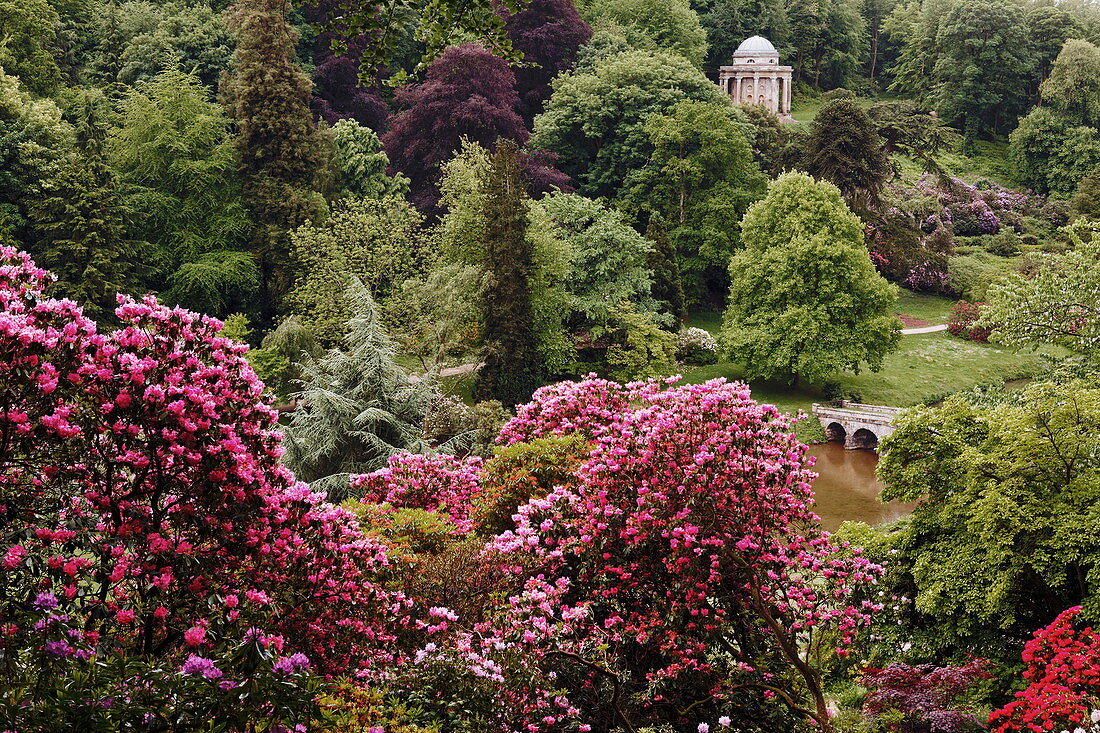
[755,46]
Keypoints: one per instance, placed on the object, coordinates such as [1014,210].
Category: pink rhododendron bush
[163,571]
[149,535]
[681,576]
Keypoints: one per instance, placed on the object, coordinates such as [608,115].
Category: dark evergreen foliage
[279,151]
[667,289]
[844,149]
[512,367]
[80,225]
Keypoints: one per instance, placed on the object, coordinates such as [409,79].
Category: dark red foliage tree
[338,93]
[926,697]
[467,93]
[548,33]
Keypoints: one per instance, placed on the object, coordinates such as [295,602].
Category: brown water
[847,489]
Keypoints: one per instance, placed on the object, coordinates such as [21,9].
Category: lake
[847,489]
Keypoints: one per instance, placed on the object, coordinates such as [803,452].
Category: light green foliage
[642,348]
[983,65]
[28,43]
[360,164]
[35,143]
[462,233]
[596,118]
[1059,304]
[699,181]
[609,264]
[175,160]
[806,301]
[829,41]
[654,25]
[379,242]
[1051,154]
[356,406]
[435,317]
[1058,144]
[280,353]
[1006,534]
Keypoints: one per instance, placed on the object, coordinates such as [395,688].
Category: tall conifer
[279,150]
[512,367]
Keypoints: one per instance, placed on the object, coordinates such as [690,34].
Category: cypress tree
[512,368]
[279,150]
[667,288]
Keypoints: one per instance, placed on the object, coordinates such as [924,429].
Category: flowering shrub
[1063,676]
[144,514]
[440,483]
[904,254]
[962,319]
[691,519]
[696,346]
[924,698]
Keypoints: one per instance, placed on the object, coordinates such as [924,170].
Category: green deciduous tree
[610,263]
[728,22]
[28,30]
[829,41]
[360,164]
[699,180]
[1059,304]
[1058,143]
[1005,536]
[176,165]
[1072,90]
[378,242]
[654,25]
[805,301]
[35,143]
[983,65]
[596,118]
[845,149]
[279,151]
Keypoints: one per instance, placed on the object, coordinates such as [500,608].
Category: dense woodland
[356,366]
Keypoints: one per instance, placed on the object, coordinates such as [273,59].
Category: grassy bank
[925,367]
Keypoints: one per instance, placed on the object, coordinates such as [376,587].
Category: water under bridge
[858,425]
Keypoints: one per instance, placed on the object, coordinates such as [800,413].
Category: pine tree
[358,406]
[512,368]
[80,222]
[279,151]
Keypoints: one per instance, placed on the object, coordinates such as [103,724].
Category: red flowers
[1063,671]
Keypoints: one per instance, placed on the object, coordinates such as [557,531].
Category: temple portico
[756,77]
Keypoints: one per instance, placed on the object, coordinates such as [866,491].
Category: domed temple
[755,77]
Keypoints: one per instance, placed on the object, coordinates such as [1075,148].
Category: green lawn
[931,308]
[804,110]
[926,367]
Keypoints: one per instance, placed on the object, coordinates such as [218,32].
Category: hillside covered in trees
[437,367]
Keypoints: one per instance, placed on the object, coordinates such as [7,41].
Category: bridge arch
[858,425]
[862,438]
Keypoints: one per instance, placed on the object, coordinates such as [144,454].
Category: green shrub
[1004,244]
[642,348]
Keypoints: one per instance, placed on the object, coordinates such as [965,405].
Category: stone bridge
[858,425]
